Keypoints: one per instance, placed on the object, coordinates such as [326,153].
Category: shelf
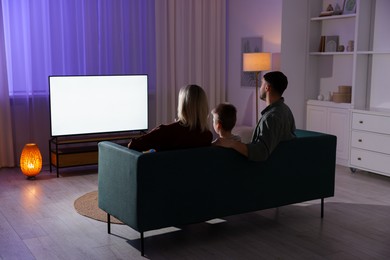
[374,111]
[94,138]
[329,104]
[373,52]
[332,17]
[69,151]
[316,53]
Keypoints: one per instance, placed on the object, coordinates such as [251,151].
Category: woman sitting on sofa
[190,130]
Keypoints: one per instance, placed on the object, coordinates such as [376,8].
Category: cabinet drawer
[370,161]
[371,141]
[372,123]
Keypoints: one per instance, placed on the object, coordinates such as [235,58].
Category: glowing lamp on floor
[31,161]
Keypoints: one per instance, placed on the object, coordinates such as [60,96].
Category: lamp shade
[31,160]
[256,61]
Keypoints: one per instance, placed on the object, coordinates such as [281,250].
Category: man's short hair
[277,80]
[227,115]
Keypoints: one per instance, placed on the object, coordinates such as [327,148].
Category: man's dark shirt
[275,125]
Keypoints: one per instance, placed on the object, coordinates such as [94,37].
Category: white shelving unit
[325,71]
[366,68]
[370,127]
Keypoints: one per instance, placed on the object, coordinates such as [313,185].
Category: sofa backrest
[192,185]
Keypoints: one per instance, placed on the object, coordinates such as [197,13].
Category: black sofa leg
[322,208]
[108,224]
[142,244]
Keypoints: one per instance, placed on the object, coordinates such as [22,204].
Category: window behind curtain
[75,37]
[69,37]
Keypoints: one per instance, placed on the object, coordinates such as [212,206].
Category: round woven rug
[87,205]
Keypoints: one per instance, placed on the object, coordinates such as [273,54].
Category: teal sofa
[149,191]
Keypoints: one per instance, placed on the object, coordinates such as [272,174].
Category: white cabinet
[327,117]
[370,141]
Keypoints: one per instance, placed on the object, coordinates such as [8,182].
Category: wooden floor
[38,221]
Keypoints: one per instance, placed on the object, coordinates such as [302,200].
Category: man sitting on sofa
[275,125]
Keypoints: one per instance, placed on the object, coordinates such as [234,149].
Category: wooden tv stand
[70,151]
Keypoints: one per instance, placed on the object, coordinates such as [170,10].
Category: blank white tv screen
[98,104]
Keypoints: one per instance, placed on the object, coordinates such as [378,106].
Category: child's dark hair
[227,115]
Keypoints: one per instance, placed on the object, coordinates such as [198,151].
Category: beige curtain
[6,142]
[6,147]
[190,49]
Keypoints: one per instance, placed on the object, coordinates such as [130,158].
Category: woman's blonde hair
[193,108]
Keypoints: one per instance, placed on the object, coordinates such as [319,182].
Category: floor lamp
[256,62]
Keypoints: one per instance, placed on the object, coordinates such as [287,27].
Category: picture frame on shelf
[349,7]
[331,43]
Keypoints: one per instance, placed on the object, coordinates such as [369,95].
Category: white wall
[249,18]
[293,56]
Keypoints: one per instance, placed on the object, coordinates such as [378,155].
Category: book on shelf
[321,48]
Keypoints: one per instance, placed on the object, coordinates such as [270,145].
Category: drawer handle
[360,140]
[359,159]
[361,122]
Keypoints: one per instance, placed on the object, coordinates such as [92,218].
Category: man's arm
[228,143]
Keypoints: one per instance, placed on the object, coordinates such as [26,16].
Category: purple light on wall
[73,37]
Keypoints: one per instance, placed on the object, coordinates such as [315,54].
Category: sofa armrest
[117,181]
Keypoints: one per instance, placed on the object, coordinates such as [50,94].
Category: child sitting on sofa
[224,120]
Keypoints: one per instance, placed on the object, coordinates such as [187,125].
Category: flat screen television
[98,104]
